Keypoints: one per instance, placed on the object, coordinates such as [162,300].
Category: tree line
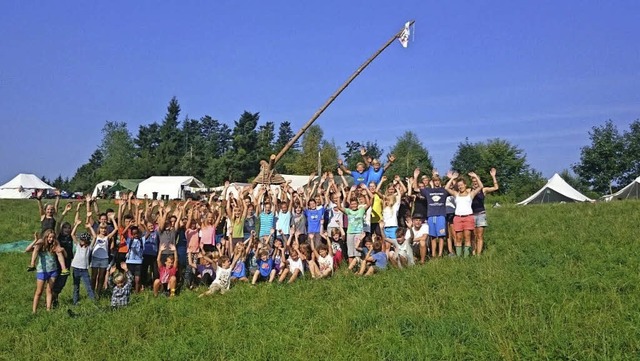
[214,151]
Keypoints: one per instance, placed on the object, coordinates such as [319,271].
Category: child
[206,273]
[223,276]
[265,268]
[295,268]
[278,255]
[167,271]
[355,216]
[375,261]
[100,255]
[239,272]
[324,256]
[80,263]
[336,242]
[44,263]
[363,248]
[402,253]
[135,249]
[121,286]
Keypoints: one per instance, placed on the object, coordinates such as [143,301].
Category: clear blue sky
[537,73]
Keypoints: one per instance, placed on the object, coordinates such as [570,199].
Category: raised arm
[391,158]
[474,192]
[449,187]
[495,187]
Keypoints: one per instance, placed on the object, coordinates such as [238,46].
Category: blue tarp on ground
[17,246]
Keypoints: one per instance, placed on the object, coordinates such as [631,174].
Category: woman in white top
[463,221]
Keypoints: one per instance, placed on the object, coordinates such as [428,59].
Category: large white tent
[101,187]
[170,187]
[556,190]
[631,191]
[22,186]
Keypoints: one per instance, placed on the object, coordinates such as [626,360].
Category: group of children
[259,233]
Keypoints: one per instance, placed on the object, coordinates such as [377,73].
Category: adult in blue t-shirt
[375,171]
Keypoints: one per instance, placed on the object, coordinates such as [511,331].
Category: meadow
[557,282]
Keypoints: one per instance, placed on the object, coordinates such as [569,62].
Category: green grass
[557,282]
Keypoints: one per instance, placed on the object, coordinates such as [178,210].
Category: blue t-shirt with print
[374,175]
[313,219]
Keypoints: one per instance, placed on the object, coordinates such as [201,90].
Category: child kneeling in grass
[223,276]
[167,272]
[121,284]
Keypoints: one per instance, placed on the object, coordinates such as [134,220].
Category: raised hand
[392,158]
[363,151]
[383,179]
[39,193]
[68,207]
[493,172]
[473,175]
[416,173]
[340,162]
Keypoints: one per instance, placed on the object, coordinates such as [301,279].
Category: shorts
[135,269]
[437,226]
[45,276]
[205,247]
[390,232]
[463,223]
[352,243]
[216,287]
[480,219]
[449,217]
[99,262]
[375,229]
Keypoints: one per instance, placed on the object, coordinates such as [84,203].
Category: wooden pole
[335,95]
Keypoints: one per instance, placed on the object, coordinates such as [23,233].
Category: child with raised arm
[375,261]
[80,263]
[44,263]
[324,257]
[134,256]
[355,216]
[266,271]
[121,284]
[223,276]
[167,271]
[335,242]
[402,254]
[239,272]
[100,254]
[364,245]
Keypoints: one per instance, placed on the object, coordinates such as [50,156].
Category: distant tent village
[23,186]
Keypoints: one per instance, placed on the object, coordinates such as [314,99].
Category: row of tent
[175,187]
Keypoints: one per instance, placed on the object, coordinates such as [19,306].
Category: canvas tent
[631,191]
[556,190]
[126,185]
[170,187]
[101,187]
[22,186]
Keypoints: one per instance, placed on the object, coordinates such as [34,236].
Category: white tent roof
[631,191]
[21,186]
[168,187]
[556,190]
[101,186]
[297,181]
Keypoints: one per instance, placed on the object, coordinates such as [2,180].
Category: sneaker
[65,272]
[31,269]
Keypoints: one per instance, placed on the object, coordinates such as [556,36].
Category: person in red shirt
[167,272]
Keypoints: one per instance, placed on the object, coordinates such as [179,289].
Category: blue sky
[537,73]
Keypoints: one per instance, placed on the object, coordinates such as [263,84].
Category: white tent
[556,190]
[22,186]
[168,187]
[296,181]
[631,191]
[101,187]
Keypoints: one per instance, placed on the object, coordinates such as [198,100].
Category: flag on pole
[404,37]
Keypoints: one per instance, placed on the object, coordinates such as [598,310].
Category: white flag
[404,37]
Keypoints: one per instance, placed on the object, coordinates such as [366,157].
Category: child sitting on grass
[167,271]
[375,261]
[121,284]
[223,276]
[266,271]
[362,248]
[324,258]
[295,268]
[402,254]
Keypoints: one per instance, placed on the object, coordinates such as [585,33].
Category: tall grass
[556,282]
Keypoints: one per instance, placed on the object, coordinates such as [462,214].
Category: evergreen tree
[410,154]
[168,155]
[118,150]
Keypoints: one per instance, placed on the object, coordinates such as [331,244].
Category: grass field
[558,282]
